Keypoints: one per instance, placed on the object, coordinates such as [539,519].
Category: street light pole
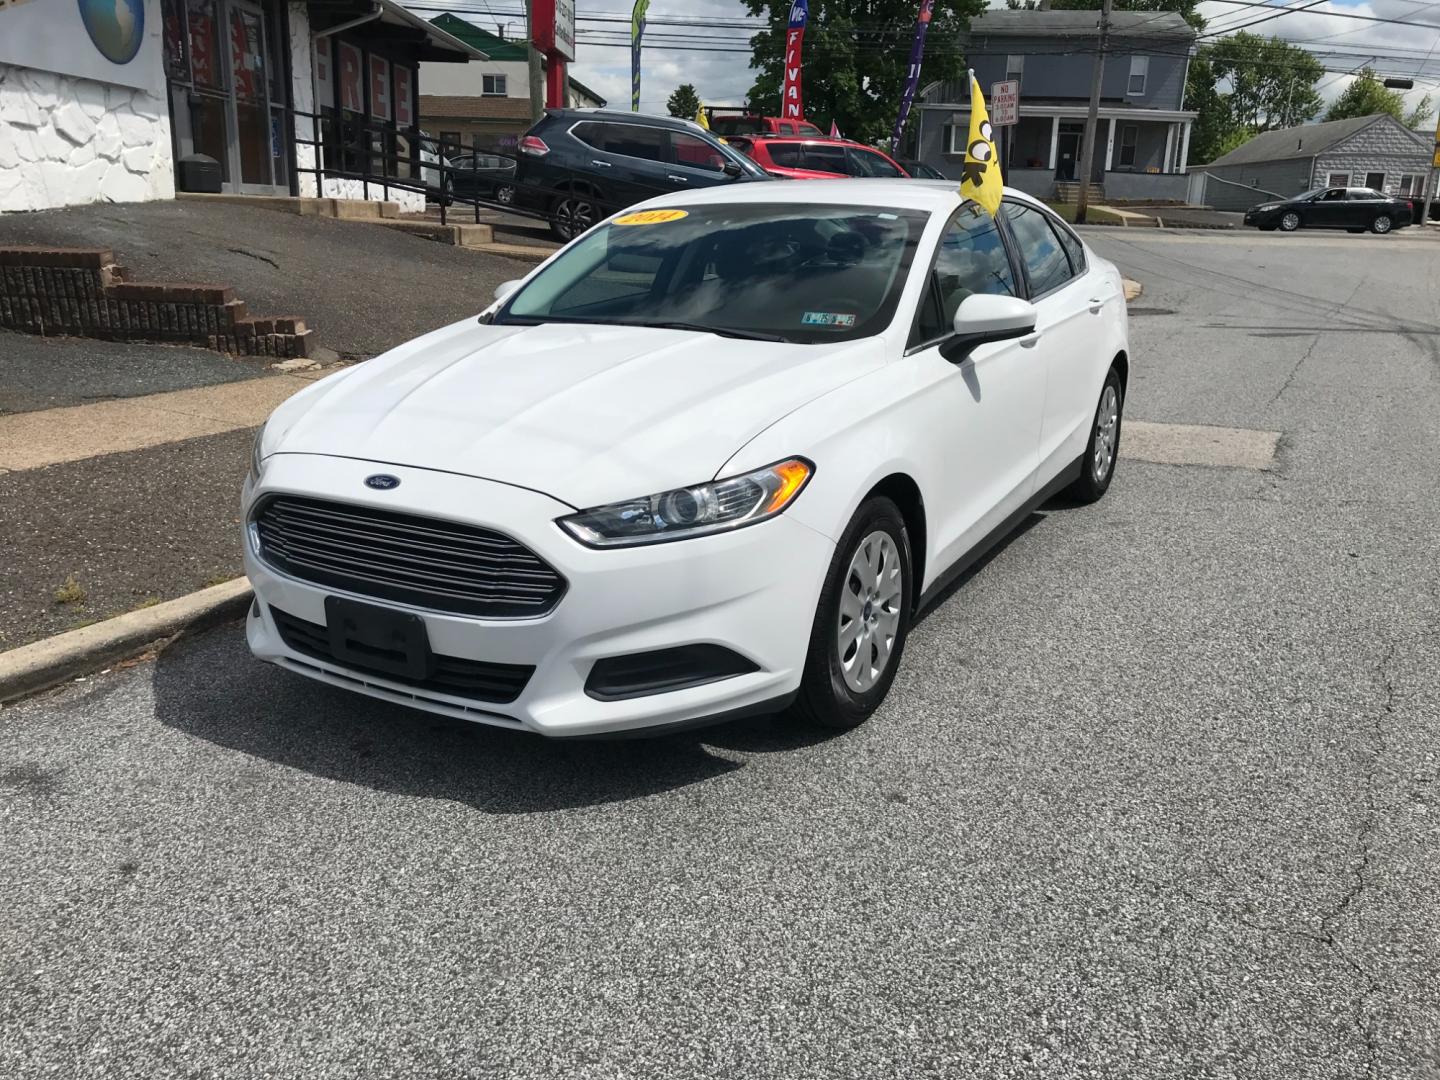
[1092,118]
[1430,178]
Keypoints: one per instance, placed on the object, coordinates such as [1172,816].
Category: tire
[1289,221]
[1102,450]
[838,690]
[572,215]
[1382,224]
[505,195]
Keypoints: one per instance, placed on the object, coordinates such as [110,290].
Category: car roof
[673,123]
[902,194]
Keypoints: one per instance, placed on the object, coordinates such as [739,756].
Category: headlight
[692,511]
[257,460]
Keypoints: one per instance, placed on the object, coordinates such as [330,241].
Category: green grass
[71,592]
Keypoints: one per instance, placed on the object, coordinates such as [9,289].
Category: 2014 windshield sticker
[651,217]
[828,318]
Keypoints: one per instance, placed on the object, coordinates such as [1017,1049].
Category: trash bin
[198,173]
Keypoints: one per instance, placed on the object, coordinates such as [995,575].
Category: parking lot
[1154,796]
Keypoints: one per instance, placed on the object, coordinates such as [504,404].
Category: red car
[727,122]
[815,159]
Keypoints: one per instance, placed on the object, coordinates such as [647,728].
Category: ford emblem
[382,482]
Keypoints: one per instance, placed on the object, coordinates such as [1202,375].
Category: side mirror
[731,170]
[983,318]
[505,288]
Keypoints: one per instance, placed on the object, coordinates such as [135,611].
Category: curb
[43,664]
[1133,289]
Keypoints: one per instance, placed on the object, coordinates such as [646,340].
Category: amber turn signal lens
[792,475]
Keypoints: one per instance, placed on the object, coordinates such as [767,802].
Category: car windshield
[784,272]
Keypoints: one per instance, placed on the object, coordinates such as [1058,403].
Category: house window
[1129,136]
[1375,181]
[1337,179]
[1139,68]
[1014,68]
[1412,184]
[959,131]
[492,85]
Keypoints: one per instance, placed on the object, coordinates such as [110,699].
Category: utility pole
[1430,179]
[537,75]
[1092,118]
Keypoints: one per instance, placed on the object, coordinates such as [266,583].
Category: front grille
[475,679]
[419,561]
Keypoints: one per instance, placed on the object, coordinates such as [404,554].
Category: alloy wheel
[871,602]
[576,216]
[1290,222]
[1382,224]
[505,195]
[1107,429]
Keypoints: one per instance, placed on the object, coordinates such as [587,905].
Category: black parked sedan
[1353,209]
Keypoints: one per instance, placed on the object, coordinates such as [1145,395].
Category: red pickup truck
[727,122]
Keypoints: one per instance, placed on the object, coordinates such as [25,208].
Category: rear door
[1070,303]
[1364,207]
[637,166]
[825,157]
[987,405]
[868,163]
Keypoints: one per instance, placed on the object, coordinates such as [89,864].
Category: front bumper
[753,591]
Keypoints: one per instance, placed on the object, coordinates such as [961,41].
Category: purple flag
[912,77]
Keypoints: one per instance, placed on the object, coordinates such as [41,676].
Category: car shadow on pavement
[209,686]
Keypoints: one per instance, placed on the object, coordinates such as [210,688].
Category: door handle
[599,164]
[677,179]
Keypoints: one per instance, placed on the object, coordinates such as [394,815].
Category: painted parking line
[33,440]
[1199,444]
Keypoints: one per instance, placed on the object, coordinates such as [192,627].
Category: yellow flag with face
[980,175]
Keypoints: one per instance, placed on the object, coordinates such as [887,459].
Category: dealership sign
[110,41]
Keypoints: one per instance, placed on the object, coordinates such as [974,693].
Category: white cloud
[1411,50]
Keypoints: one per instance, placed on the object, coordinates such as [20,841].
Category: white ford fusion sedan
[708,459]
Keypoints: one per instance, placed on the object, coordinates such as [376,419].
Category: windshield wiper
[720,331]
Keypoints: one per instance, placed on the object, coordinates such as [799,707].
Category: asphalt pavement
[1154,796]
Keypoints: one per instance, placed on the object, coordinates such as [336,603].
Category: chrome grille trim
[430,563]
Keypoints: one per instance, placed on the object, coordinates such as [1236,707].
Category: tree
[1366,96]
[684,102]
[1271,84]
[1419,116]
[856,57]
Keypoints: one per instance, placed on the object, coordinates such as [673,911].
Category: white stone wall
[66,141]
[1385,146]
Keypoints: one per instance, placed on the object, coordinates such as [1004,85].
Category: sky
[723,78]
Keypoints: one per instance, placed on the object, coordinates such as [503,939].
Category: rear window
[826,158]
[736,125]
[787,155]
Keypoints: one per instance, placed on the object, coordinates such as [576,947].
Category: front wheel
[1098,466]
[1290,221]
[861,621]
[1381,224]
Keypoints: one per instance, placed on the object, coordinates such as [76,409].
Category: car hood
[586,414]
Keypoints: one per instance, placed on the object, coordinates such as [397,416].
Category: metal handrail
[349,147]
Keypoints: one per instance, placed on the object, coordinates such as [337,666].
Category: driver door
[1329,210]
[987,406]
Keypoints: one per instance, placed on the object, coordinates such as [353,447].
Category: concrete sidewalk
[34,440]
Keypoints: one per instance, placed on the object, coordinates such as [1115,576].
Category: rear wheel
[572,215]
[505,195]
[861,621]
[1098,466]
[1290,221]
[1382,224]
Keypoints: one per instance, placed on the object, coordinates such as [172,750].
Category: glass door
[253,141]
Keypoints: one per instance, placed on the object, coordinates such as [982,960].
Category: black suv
[578,166]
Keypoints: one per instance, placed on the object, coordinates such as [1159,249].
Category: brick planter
[81,292]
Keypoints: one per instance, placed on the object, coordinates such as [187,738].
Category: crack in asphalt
[253,255]
[1296,369]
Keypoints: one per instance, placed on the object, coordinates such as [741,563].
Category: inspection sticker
[827,318]
[650,217]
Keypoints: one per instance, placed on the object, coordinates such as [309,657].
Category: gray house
[1364,151]
[1144,132]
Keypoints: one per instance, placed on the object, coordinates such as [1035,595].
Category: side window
[635,141]
[1046,264]
[864,163]
[590,133]
[786,155]
[694,152]
[1071,243]
[1333,195]
[826,158]
[971,259]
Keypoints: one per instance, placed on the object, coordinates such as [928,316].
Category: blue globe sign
[117,27]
